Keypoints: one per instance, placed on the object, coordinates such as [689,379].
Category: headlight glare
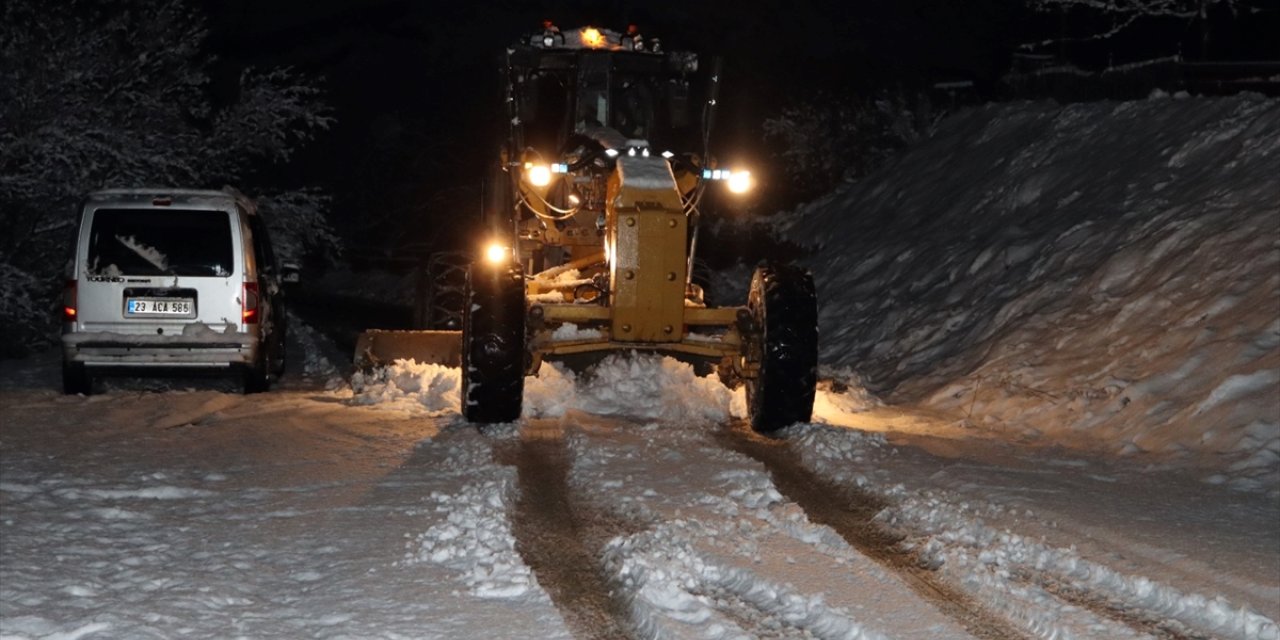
[740,182]
[496,253]
[539,175]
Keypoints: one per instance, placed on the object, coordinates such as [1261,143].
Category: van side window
[262,244]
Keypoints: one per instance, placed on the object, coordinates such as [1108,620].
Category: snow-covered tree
[115,93]
[295,220]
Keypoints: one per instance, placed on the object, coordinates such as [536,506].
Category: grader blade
[382,347]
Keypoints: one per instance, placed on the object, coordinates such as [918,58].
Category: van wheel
[76,379]
[784,310]
[493,349]
[280,353]
[254,379]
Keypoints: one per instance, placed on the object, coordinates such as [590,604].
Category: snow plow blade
[382,347]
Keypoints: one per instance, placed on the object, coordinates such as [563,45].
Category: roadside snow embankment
[1103,276]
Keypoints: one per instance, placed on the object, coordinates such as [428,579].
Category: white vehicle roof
[216,197]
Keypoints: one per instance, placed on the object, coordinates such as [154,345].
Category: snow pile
[625,384]
[319,354]
[1103,276]
[638,385]
[407,383]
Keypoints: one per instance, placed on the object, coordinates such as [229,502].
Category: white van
[172,281]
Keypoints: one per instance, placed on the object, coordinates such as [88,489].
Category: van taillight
[249,303]
[69,302]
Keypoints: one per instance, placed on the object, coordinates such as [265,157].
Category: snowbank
[1102,276]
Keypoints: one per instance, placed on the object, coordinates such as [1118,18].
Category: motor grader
[593,211]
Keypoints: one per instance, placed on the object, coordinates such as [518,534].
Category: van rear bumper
[193,354]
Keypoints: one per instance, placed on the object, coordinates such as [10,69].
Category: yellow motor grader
[593,213]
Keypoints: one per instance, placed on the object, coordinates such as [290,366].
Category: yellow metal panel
[718,316]
[555,313]
[647,295]
[646,236]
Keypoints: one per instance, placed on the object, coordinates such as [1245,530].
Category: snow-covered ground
[374,512]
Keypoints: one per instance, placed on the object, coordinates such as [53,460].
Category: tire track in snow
[558,542]
[1139,620]
[1012,572]
[850,512]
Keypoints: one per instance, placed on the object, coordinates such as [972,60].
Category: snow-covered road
[630,503]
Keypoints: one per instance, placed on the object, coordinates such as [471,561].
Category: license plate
[159,306]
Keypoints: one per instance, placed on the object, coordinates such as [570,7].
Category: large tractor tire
[493,343]
[784,311]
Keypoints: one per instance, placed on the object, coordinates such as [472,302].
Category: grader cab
[593,218]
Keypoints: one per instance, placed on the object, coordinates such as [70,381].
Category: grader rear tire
[784,310]
[493,343]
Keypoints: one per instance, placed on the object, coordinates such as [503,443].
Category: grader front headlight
[740,182]
[538,175]
[591,37]
[497,253]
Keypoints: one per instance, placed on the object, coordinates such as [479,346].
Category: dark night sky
[415,85]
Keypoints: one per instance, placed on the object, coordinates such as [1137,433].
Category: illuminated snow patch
[625,384]
[641,386]
[840,394]
[433,387]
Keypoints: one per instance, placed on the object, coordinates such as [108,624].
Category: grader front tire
[784,311]
[493,343]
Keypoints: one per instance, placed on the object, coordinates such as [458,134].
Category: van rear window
[148,242]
